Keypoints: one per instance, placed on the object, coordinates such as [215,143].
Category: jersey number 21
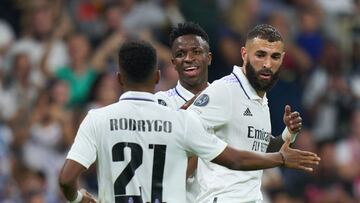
[129,171]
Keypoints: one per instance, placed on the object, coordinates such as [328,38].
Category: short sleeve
[197,141]
[213,106]
[83,149]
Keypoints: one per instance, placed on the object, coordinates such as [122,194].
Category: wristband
[286,132]
[78,198]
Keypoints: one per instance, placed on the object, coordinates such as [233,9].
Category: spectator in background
[7,37]
[326,185]
[229,47]
[354,56]
[295,65]
[6,157]
[309,36]
[355,65]
[58,91]
[327,95]
[295,182]
[44,149]
[39,26]
[19,91]
[79,74]
[142,15]
[86,17]
[348,156]
[104,91]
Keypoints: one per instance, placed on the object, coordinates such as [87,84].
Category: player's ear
[157,76]
[243,53]
[119,78]
[209,58]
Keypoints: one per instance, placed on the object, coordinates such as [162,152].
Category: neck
[195,89]
[139,88]
[260,93]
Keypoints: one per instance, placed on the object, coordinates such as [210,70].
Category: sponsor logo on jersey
[162,102]
[202,100]
[247,112]
[261,138]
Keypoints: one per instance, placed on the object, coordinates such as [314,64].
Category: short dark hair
[188,28]
[138,60]
[266,32]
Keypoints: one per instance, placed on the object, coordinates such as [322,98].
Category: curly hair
[138,60]
[188,28]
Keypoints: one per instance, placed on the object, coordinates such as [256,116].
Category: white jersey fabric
[175,98]
[231,109]
[141,149]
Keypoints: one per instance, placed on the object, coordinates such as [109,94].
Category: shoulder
[168,93]
[222,85]
[98,113]
[224,81]
[164,97]
[228,79]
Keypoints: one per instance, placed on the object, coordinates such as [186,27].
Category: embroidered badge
[202,100]
[162,102]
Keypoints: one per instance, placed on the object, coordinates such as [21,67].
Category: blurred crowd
[58,59]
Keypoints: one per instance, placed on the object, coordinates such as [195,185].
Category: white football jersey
[141,149]
[231,109]
[175,98]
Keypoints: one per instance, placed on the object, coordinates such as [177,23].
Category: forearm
[248,160]
[69,190]
[256,161]
[192,165]
[68,178]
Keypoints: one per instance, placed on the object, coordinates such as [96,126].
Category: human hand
[188,103]
[87,198]
[292,120]
[298,159]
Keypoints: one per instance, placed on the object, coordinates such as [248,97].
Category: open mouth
[191,70]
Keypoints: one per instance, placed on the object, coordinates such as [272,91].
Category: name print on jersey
[262,138]
[140,125]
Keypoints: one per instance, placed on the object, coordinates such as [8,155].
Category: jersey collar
[246,86]
[140,96]
[183,93]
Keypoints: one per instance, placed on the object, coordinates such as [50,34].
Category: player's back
[142,150]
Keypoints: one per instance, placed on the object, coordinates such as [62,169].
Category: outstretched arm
[68,181]
[286,157]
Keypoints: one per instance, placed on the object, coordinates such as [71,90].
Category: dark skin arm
[248,160]
[192,164]
[293,122]
[68,181]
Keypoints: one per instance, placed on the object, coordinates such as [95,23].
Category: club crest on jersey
[162,102]
[202,100]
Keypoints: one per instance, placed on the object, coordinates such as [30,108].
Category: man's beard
[256,83]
